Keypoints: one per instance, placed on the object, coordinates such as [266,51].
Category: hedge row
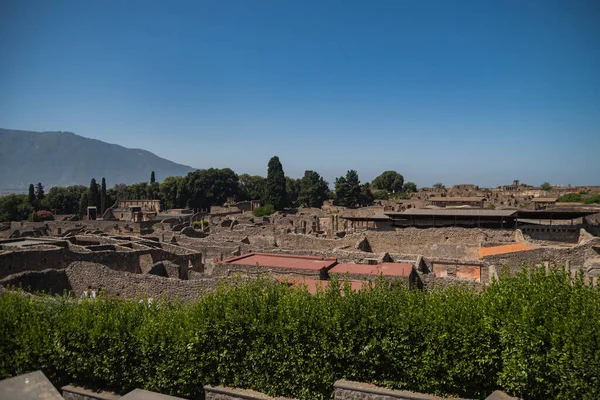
[535,335]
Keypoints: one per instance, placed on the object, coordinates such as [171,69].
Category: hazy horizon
[451,92]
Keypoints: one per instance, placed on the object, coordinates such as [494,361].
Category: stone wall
[80,277]
[227,393]
[348,390]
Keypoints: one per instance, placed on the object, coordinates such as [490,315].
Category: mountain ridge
[58,158]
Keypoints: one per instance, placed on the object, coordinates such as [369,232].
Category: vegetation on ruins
[391,181]
[275,185]
[579,198]
[381,195]
[292,188]
[535,335]
[251,187]
[546,186]
[314,190]
[42,215]
[439,185]
[31,197]
[206,187]
[15,207]
[410,187]
[264,211]
[350,193]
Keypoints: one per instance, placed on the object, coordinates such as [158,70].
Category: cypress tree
[275,191]
[83,203]
[31,195]
[94,196]
[103,197]
[152,177]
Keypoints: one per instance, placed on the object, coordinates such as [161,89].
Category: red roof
[282,261]
[386,269]
[313,284]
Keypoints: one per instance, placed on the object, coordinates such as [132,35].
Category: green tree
[546,186]
[31,198]
[103,196]
[64,200]
[94,196]
[251,187]
[152,178]
[210,187]
[84,201]
[410,187]
[390,181]
[138,191]
[39,195]
[169,191]
[381,195]
[313,189]
[275,185]
[348,190]
[292,188]
[439,185]
[366,196]
[15,207]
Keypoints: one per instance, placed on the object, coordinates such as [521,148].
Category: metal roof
[554,214]
[374,217]
[457,199]
[453,213]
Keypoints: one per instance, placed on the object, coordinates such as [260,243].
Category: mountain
[64,158]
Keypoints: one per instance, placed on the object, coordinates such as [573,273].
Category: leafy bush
[570,198]
[535,335]
[595,199]
[200,224]
[264,211]
[42,215]
[381,195]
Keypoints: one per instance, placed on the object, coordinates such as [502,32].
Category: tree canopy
[313,190]
[275,186]
[348,190]
[390,181]
[207,187]
[410,187]
[251,187]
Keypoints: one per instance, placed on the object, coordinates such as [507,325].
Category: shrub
[200,224]
[595,199]
[570,198]
[535,335]
[381,195]
[264,211]
[42,215]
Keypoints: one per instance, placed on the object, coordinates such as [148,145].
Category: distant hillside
[63,158]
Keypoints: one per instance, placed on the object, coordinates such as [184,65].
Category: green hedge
[535,335]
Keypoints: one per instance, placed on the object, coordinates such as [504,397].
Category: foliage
[39,195]
[535,335]
[594,199]
[313,190]
[410,187]
[64,200]
[389,180]
[570,198]
[208,187]
[264,211]
[251,187]
[31,198]
[84,200]
[292,188]
[381,195]
[152,177]
[491,206]
[366,196]
[348,190]
[546,186]
[202,224]
[170,192]
[103,199]
[15,207]
[42,215]
[275,185]
[439,185]
[94,194]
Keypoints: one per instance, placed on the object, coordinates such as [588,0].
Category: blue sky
[442,91]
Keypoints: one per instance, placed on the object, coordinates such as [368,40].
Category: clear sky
[445,91]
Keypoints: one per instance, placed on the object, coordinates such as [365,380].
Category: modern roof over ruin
[282,261]
[457,199]
[385,269]
[504,249]
[453,212]
[545,200]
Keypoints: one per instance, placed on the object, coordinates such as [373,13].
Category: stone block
[31,386]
